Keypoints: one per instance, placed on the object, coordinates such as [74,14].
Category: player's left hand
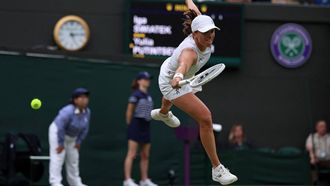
[175,83]
[77,146]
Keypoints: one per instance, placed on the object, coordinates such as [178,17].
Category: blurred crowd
[237,139]
[317,147]
[317,2]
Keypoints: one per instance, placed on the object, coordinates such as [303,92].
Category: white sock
[163,115]
[217,167]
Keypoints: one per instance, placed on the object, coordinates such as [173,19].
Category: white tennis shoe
[147,182]
[130,182]
[170,119]
[222,175]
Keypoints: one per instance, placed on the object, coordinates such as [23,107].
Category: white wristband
[178,75]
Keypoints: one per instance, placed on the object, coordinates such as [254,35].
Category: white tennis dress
[170,65]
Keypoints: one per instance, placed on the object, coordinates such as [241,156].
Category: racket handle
[183,82]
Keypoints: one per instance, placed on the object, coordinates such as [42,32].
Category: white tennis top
[171,64]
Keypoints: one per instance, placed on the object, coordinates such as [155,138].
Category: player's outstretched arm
[187,59]
[191,5]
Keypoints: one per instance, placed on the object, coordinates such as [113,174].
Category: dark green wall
[103,152]
[52,80]
[276,105]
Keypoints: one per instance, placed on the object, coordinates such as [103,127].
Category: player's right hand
[59,149]
[175,83]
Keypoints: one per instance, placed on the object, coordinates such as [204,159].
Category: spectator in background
[318,144]
[237,138]
[322,2]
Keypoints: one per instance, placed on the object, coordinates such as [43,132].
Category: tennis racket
[203,77]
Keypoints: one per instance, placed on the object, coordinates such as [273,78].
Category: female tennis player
[187,59]
[138,131]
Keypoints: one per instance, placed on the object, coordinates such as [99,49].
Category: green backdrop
[102,154]
[52,80]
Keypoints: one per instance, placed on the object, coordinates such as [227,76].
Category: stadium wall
[277,106]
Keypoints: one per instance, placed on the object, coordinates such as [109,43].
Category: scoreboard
[155,29]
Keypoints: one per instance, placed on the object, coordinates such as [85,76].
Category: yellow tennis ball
[36,104]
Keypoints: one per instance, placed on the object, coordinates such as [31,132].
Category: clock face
[71,33]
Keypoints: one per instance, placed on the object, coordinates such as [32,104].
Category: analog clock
[71,33]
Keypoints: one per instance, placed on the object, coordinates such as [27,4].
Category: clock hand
[76,34]
[74,40]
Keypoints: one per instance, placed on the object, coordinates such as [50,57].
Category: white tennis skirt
[169,93]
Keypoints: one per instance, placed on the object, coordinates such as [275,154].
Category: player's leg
[131,154]
[194,107]
[166,106]
[56,160]
[164,114]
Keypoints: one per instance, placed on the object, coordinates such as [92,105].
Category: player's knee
[205,120]
[206,126]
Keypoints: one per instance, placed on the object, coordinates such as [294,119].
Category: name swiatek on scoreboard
[155,29]
[143,45]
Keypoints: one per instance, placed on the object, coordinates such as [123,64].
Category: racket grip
[183,82]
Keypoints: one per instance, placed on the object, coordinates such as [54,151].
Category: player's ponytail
[135,84]
[189,16]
